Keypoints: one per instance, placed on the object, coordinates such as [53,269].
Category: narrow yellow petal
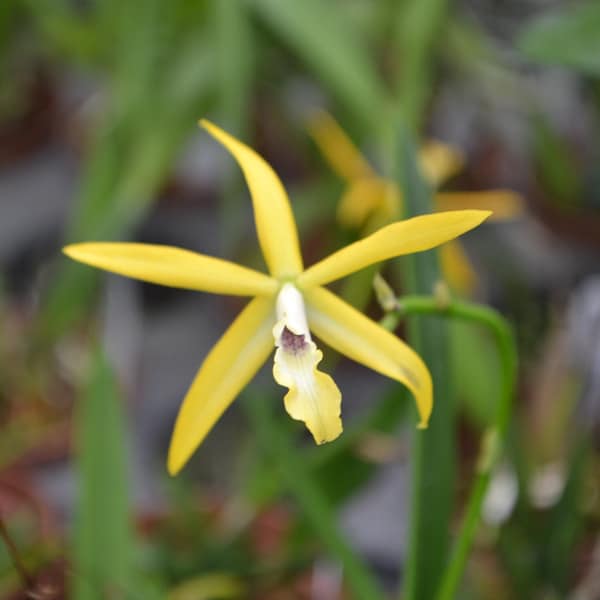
[229,366]
[457,268]
[313,396]
[368,198]
[404,237]
[504,204]
[351,333]
[273,216]
[173,267]
[439,161]
[342,155]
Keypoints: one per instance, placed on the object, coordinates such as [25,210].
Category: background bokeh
[99,101]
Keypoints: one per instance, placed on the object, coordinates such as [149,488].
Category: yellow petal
[273,216]
[351,333]
[229,366]
[313,396]
[404,237]
[337,148]
[173,267]
[439,161]
[504,204]
[366,198]
[457,268]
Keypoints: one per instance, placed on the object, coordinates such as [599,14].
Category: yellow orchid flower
[288,304]
[371,201]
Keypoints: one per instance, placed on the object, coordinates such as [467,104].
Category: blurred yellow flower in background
[371,201]
[288,303]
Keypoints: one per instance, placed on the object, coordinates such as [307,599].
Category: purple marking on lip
[292,342]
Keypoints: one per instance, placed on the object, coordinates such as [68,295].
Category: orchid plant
[287,305]
[371,201]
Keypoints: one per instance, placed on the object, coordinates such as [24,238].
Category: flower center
[291,315]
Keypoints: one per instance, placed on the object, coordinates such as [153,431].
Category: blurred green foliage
[567,36]
[103,544]
[159,74]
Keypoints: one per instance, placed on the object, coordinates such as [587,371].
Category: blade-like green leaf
[235,56]
[102,538]
[433,454]
[568,37]
[321,36]
[417,27]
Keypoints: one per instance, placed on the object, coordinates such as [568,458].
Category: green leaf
[568,38]
[235,56]
[235,65]
[417,27]
[433,453]
[103,536]
[325,40]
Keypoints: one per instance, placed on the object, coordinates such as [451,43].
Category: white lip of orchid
[313,396]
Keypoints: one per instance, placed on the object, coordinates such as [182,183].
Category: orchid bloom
[371,201]
[288,304]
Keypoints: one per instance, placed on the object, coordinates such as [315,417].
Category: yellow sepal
[405,237]
[275,225]
[173,267]
[457,268]
[338,149]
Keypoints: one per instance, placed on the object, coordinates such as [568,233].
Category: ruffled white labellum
[313,396]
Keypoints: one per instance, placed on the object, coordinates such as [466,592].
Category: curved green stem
[492,440]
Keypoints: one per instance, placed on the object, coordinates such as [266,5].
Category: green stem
[492,439]
[485,316]
[296,477]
